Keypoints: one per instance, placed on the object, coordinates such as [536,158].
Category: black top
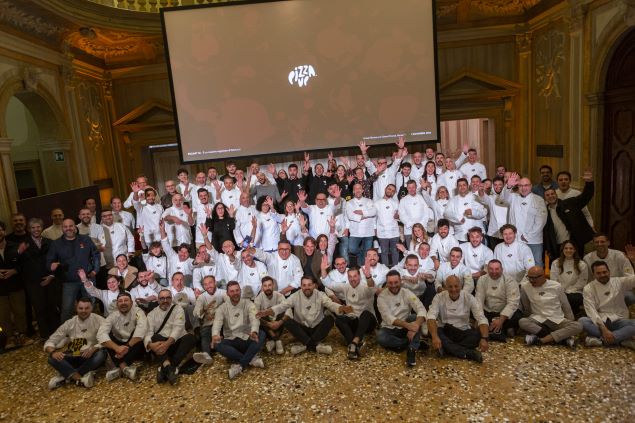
[9,260]
[222,230]
[75,254]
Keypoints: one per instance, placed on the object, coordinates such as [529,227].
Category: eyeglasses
[284,249]
[534,277]
[165,298]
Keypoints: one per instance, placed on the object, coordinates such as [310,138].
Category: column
[578,156]
[8,186]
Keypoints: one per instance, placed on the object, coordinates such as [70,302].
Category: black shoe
[171,374]
[411,359]
[353,353]
[161,377]
[474,355]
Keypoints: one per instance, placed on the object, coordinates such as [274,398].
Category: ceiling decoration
[485,12]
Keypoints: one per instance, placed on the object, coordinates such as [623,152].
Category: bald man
[528,213]
[548,316]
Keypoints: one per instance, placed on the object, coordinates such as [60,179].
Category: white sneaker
[592,341]
[235,370]
[257,362]
[130,372]
[279,347]
[297,349]
[323,349]
[113,374]
[270,345]
[88,380]
[202,358]
[571,342]
[56,381]
[629,343]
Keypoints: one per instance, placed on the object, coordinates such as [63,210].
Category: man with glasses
[319,213]
[385,174]
[548,316]
[528,213]
[167,338]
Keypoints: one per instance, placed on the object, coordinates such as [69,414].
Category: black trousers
[355,327]
[428,295]
[310,336]
[177,351]
[576,300]
[512,323]
[45,301]
[456,341]
[136,352]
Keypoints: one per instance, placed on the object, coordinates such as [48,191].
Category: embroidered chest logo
[541,293]
[237,315]
[308,307]
[607,293]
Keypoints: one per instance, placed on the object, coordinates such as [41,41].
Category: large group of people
[420,250]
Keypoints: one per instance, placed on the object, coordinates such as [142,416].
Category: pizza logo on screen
[301,74]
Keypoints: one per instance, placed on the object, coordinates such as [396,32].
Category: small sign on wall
[59,156]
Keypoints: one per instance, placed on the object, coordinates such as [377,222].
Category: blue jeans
[397,338]
[389,249]
[78,364]
[239,350]
[71,291]
[358,246]
[538,253]
[622,329]
[206,339]
[343,248]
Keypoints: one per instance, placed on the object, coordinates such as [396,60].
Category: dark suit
[570,212]
[45,299]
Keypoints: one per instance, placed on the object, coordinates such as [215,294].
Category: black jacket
[317,185]
[570,212]
[33,261]
[10,261]
[79,253]
[291,186]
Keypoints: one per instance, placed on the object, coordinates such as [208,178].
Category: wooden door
[618,185]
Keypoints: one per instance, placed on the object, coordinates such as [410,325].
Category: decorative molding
[503,7]
[523,42]
[549,59]
[28,22]
[92,110]
[628,10]
[131,122]
[54,145]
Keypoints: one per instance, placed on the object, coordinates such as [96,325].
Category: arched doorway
[618,179]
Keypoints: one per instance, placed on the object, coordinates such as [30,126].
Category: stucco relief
[549,59]
[92,110]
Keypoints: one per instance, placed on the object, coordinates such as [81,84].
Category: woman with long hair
[571,272]
[268,222]
[221,224]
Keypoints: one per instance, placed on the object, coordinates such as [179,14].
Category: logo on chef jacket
[81,245]
[237,315]
[509,255]
[524,203]
[308,307]
[465,204]
[398,305]
[126,324]
[474,255]
[569,272]
[541,293]
[251,274]
[284,267]
[494,287]
[353,295]
[607,293]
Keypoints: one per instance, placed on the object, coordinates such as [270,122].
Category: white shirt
[455,210]
[417,282]
[456,313]
[471,169]
[476,259]
[130,200]
[200,272]
[606,301]
[378,273]
[140,291]
[516,259]
[413,209]
[236,320]
[361,298]
[387,177]
[440,247]
[286,272]
[562,233]
[571,280]
[500,295]
[177,233]
[231,197]
[528,214]
[158,265]
[386,223]
[546,302]
[268,230]
[243,222]
[319,219]
[76,332]
[200,211]
[460,271]
[127,219]
[449,180]
[361,225]
[497,213]
[226,270]
[174,262]
[617,262]
[398,306]
[123,326]
[122,241]
[250,278]
[262,302]
[174,327]
[206,305]
[106,296]
[185,297]
[149,216]
[308,311]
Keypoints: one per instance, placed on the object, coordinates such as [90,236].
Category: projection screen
[255,78]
